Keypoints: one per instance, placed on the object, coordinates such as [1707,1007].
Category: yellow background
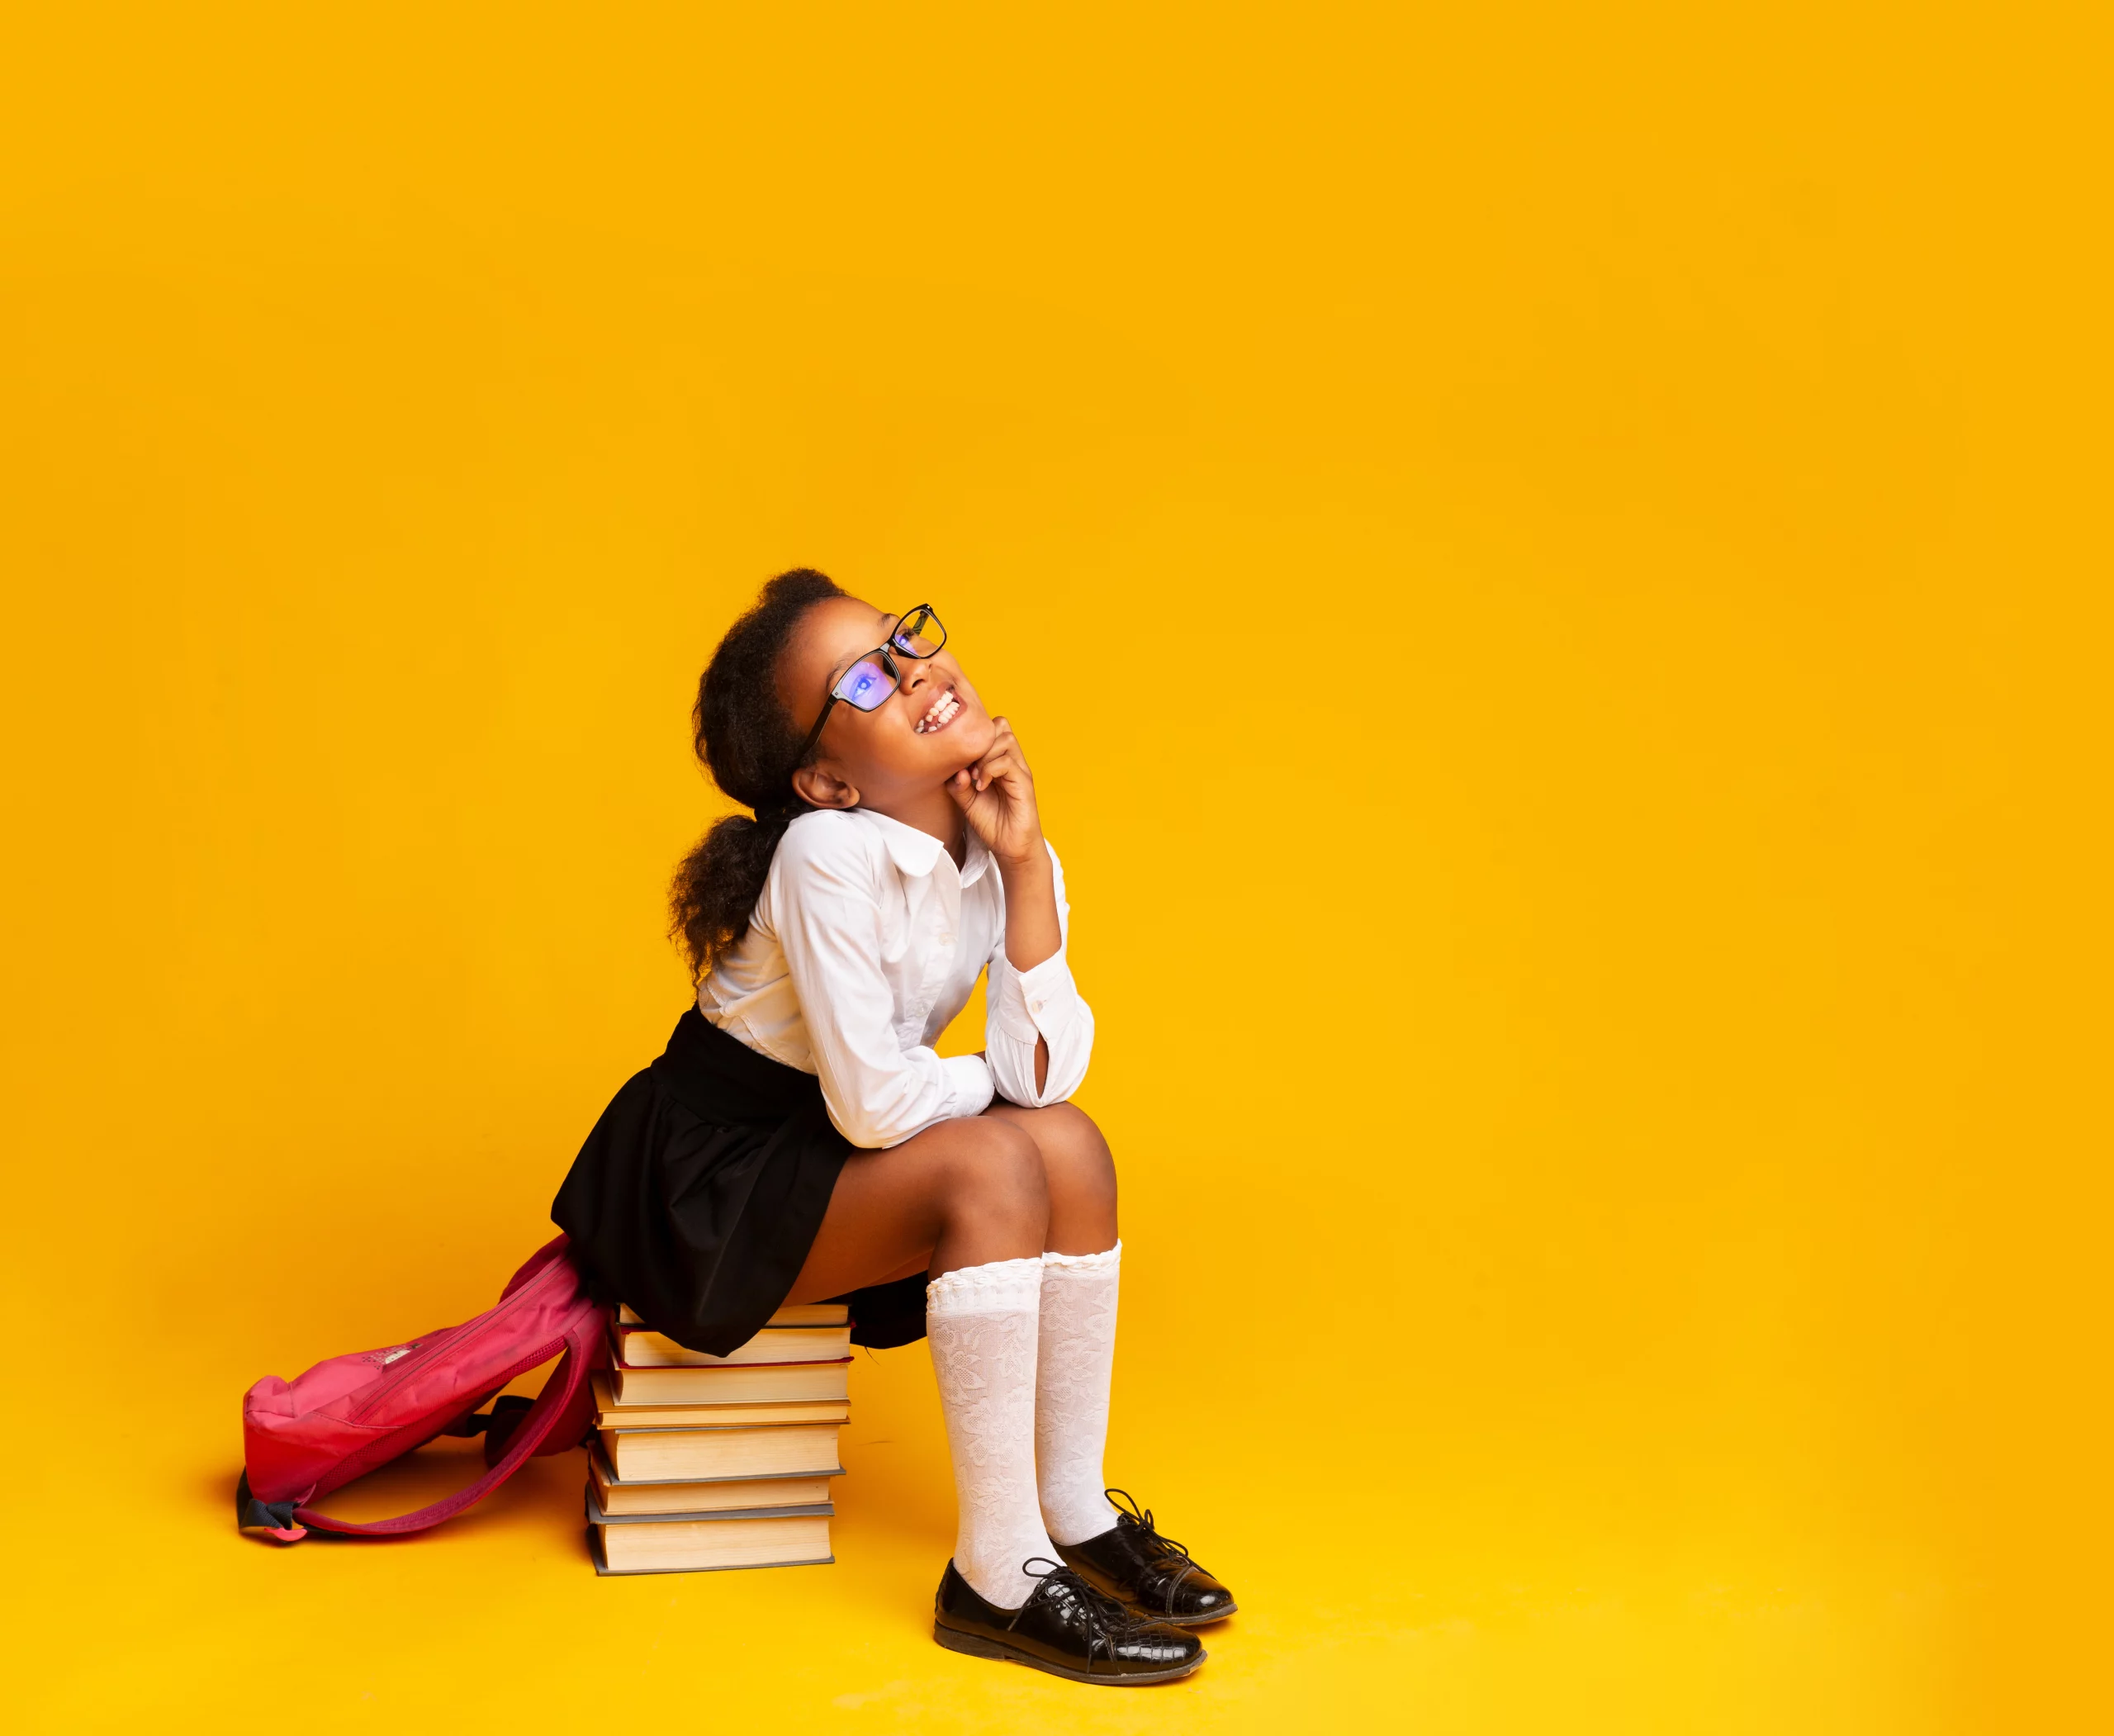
[1551,563]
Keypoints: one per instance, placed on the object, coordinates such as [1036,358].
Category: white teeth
[941,714]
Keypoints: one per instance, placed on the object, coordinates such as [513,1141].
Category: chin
[973,739]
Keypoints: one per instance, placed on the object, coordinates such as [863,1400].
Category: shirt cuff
[969,1076]
[1028,1004]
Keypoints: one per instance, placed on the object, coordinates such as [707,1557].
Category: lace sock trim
[999,1287]
[1104,1261]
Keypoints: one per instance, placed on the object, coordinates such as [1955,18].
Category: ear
[819,787]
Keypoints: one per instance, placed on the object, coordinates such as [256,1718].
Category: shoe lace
[1167,1551]
[1129,1513]
[1109,1617]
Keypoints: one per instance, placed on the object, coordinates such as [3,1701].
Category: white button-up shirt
[866,943]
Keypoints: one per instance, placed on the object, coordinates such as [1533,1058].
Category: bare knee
[1075,1156]
[1078,1170]
[997,1177]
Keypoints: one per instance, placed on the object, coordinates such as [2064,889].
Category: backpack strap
[557,1399]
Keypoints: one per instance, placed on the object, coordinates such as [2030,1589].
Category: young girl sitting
[800,1141]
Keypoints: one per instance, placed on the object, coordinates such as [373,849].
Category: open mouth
[945,710]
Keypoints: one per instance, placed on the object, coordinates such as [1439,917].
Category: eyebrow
[888,627]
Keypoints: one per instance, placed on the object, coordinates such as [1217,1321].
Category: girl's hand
[997,794]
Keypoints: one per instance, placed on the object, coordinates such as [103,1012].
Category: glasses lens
[865,684]
[919,634]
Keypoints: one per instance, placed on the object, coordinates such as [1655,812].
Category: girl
[799,1141]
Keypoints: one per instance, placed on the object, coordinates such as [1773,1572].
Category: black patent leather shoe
[1151,1573]
[1066,1628]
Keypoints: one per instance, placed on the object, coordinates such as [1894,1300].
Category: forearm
[1032,930]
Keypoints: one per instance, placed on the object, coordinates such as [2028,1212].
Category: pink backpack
[302,1439]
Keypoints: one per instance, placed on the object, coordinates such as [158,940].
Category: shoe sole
[972,1645]
[1198,1621]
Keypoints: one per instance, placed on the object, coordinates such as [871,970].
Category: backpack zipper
[465,1334]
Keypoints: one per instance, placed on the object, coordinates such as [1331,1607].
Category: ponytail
[718,884]
[741,731]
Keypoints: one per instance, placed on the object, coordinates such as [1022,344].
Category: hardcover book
[728,1495]
[701,1543]
[731,1383]
[797,1314]
[659,1455]
[638,1348]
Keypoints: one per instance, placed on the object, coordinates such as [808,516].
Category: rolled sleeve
[970,1076]
[1020,999]
[1041,1003]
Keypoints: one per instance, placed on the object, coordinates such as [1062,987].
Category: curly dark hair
[741,732]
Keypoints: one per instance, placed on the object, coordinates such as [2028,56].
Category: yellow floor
[1369,1603]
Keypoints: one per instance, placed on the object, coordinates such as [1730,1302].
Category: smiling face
[900,754]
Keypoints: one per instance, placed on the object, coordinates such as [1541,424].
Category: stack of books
[709,1461]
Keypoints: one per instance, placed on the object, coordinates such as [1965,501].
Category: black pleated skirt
[698,1193]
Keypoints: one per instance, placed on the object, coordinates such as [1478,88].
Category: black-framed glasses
[867,684]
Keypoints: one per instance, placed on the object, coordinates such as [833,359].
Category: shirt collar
[975,860]
[919,853]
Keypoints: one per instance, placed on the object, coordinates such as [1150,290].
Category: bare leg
[963,1193]
[1076,1351]
[1078,1170]
[965,1201]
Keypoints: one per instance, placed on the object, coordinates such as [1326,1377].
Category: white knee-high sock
[981,1321]
[1074,1363]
